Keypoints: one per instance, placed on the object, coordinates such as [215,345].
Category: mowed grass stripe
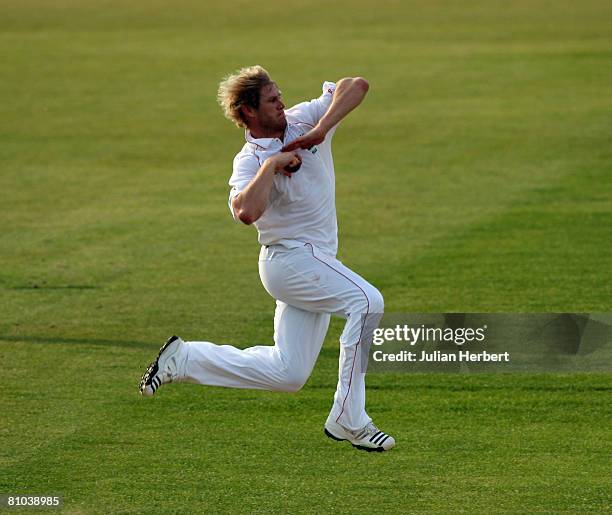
[549,247]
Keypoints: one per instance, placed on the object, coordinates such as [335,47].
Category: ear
[248,112]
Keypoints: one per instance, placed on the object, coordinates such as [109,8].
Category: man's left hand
[307,141]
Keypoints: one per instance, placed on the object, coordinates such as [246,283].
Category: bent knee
[370,302]
[376,300]
[292,386]
[294,381]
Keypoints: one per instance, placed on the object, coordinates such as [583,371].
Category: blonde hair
[242,88]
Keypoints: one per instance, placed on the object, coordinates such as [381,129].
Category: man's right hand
[251,202]
[286,162]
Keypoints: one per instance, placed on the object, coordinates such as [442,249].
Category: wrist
[271,164]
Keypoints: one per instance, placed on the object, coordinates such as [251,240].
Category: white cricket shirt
[301,208]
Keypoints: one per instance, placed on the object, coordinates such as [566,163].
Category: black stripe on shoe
[375,435]
[361,435]
[377,440]
[153,368]
[383,440]
[146,377]
[150,378]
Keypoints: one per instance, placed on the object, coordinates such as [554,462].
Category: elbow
[362,84]
[354,83]
[240,213]
[248,213]
[245,217]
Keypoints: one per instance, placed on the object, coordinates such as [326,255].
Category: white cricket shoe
[370,438]
[164,369]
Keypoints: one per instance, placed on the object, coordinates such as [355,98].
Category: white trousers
[309,286]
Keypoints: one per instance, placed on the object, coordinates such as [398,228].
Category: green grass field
[476,177]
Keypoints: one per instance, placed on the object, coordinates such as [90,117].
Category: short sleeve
[312,111]
[244,169]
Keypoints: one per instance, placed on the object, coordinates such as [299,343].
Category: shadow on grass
[44,286]
[81,341]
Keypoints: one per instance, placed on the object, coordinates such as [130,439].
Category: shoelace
[371,428]
[368,430]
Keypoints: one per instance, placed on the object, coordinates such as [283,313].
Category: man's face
[271,114]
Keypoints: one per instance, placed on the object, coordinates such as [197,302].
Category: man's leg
[364,306]
[316,282]
[286,366]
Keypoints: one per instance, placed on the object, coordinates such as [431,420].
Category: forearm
[251,203]
[349,94]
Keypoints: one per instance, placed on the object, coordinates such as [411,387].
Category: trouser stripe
[362,325]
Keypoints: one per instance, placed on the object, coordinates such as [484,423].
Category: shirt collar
[264,143]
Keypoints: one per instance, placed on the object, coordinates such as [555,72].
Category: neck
[263,132]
